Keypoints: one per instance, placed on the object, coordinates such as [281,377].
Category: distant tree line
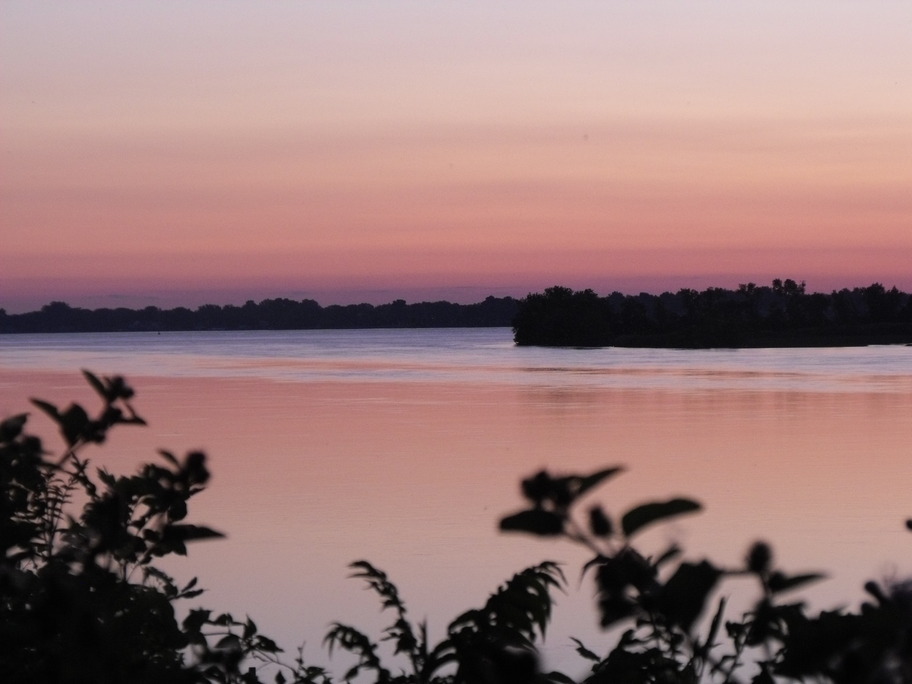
[782,314]
[269,314]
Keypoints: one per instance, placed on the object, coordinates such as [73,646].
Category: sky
[180,153]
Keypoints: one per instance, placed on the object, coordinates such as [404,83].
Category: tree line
[269,314]
[781,314]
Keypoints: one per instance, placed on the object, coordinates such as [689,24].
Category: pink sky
[180,153]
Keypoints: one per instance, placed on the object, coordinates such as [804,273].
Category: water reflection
[460,356]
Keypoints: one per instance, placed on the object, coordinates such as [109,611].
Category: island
[782,314]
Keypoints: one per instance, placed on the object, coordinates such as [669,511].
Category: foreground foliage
[82,599]
[659,604]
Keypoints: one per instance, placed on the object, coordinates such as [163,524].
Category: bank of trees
[782,314]
[269,314]
[83,598]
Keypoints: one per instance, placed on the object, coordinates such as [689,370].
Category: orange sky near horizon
[165,154]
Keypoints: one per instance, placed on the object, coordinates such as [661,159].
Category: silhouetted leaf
[627,568]
[759,558]
[560,492]
[267,644]
[537,487]
[645,514]
[596,478]
[708,644]
[229,641]
[250,628]
[196,619]
[534,521]
[178,510]
[74,423]
[96,384]
[356,642]
[778,582]
[614,608]
[11,427]
[599,523]
[593,562]
[193,532]
[563,491]
[107,478]
[583,651]
[48,408]
[684,594]
[670,553]
[168,456]
[195,468]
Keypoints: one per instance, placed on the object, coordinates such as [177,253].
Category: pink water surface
[413,476]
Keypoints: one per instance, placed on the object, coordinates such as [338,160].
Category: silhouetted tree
[562,317]
[270,314]
[781,315]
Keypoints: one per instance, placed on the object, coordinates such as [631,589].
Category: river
[404,447]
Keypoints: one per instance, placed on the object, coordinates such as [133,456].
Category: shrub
[81,599]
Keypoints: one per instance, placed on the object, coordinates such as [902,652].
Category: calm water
[405,446]
[484,355]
